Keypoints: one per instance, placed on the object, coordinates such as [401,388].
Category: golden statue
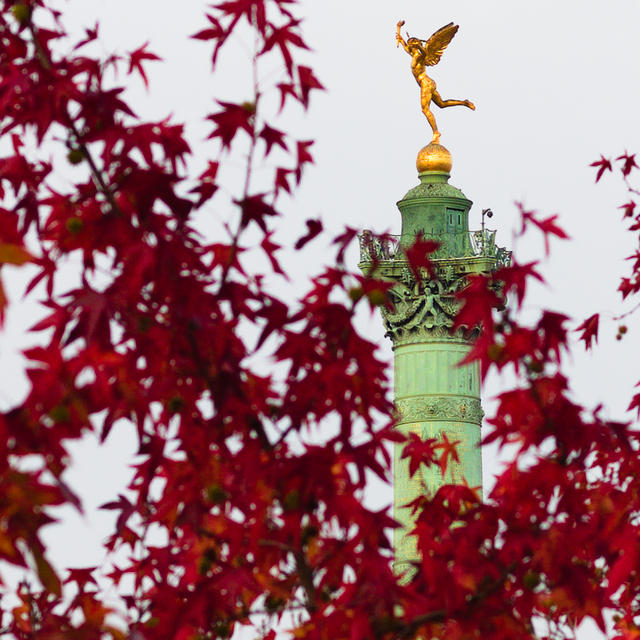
[428,53]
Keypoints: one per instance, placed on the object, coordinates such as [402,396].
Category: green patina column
[433,395]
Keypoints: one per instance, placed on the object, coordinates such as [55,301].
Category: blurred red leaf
[628,163]
[314,227]
[230,120]
[602,165]
[136,59]
[419,451]
[589,330]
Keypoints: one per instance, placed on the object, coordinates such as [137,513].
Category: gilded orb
[433,157]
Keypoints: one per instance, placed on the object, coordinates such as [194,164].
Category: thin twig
[96,173]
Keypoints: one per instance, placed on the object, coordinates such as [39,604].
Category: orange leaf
[14,254]
[46,573]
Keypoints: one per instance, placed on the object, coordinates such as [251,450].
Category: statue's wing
[438,42]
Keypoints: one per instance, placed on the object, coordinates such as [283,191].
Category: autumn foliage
[238,515]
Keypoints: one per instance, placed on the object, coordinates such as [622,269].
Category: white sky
[555,84]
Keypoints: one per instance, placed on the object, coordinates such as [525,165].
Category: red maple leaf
[125,508]
[449,451]
[90,36]
[287,90]
[627,543]
[603,165]
[281,180]
[628,163]
[635,402]
[516,277]
[269,247]
[82,577]
[213,32]
[255,209]
[308,82]
[589,330]
[552,334]
[231,119]
[283,37]
[628,208]
[272,136]
[480,300]
[343,241]
[418,256]
[419,451]
[136,59]
[276,314]
[303,157]
[547,226]
[207,186]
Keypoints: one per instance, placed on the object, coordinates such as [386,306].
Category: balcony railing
[463,244]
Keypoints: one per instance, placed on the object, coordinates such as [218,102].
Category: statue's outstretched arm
[399,39]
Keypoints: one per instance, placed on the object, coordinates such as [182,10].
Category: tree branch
[96,173]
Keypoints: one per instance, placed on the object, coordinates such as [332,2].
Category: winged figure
[426,53]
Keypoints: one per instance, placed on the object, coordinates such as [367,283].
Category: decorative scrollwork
[431,408]
[420,308]
[424,310]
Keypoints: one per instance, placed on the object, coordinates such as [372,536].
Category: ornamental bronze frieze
[436,408]
[421,311]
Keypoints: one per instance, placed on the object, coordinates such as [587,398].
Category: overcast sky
[555,84]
